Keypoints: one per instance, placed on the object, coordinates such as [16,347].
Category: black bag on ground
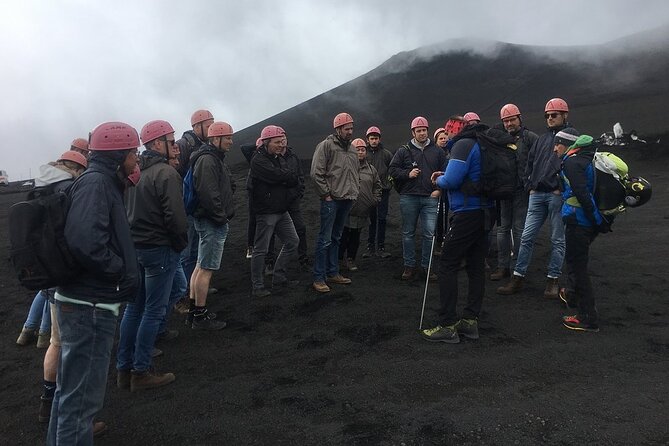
[499,171]
[38,249]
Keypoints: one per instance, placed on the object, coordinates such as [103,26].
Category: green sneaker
[469,328]
[446,334]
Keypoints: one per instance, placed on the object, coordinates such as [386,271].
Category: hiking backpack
[38,248]
[611,176]
[190,194]
[499,171]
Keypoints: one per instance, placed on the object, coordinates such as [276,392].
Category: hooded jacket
[98,235]
[273,183]
[578,177]
[370,191]
[543,165]
[429,159]
[214,185]
[155,206]
[334,169]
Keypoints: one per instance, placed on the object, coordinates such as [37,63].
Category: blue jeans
[326,257]
[142,318]
[512,221]
[179,288]
[39,314]
[86,336]
[412,207]
[542,206]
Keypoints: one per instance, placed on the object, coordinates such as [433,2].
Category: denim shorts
[212,241]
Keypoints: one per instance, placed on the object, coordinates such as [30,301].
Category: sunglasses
[551,115]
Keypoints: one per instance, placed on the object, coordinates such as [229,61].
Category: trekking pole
[427,277]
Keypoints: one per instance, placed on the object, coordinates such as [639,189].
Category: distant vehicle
[4,178]
[29,183]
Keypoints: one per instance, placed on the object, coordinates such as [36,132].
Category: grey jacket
[334,169]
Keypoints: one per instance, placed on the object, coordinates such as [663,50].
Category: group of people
[156,226]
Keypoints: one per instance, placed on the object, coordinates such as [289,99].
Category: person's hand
[328,198]
[435,193]
[414,172]
[435,175]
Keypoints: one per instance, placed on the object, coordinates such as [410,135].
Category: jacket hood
[49,174]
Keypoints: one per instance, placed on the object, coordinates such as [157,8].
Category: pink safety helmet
[200,116]
[471,116]
[271,131]
[80,143]
[438,131]
[359,142]
[556,104]
[219,128]
[373,130]
[508,111]
[113,136]
[419,121]
[154,130]
[75,157]
[342,119]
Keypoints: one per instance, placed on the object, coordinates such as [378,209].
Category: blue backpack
[190,194]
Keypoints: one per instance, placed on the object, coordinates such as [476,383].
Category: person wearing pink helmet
[512,212]
[471,118]
[412,167]
[545,203]
[87,308]
[334,170]
[214,187]
[368,199]
[380,158]
[159,229]
[80,145]
[272,185]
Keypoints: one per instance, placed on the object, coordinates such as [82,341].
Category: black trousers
[579,287]
[466,238]
[350,242]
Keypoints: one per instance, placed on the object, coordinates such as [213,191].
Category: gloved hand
[604,227]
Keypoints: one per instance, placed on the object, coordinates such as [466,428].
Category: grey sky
[69,65]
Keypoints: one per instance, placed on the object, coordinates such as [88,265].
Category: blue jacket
[464,164]
[98,235]
[578,179]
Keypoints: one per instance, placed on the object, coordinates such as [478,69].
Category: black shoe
[368,253]
[383,254]
[167,335]
[447,334]
[469,328]
[207,321]
[261,292]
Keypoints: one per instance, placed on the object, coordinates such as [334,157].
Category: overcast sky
[69,65]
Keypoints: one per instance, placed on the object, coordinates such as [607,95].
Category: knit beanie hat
[566,136]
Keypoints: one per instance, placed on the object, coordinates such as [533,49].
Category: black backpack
[38,250]
[499,161]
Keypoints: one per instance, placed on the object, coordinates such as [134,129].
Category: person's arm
[458,166]
[578,181]
[319,171]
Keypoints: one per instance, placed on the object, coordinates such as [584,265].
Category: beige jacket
[334,169]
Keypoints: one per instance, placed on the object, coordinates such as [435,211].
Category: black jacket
[98,235]
[214,185]
[155,206]
[188,144]
[380,158]
[543,165]
[295,166]
[430,159]
[525,139]
[273,183]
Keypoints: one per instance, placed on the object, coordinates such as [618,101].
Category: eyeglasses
[551,115]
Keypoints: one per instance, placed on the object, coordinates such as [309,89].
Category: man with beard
[98,235]
[513,211]
[334,170]
[412,166]
[214,187]
[545,202]
[380,158]
[160,231]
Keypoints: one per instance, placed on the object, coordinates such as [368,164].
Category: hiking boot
[565,299]
[249,252]
[552,289]
[167,335]
[99,428]
[408,273]
[207,321]
[447,334]
[43,339]
[149,380]
[123,379]
[432,276]
[339,279]
[261,292]
[469,328]
[44,409]
[321,287]
[368,253]
[500,273]
[26,337]
[351,265]
[575,323]
[383,254]
[514,286]
[156,352]
[183,305]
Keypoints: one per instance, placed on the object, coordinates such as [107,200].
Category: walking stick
[427,278]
